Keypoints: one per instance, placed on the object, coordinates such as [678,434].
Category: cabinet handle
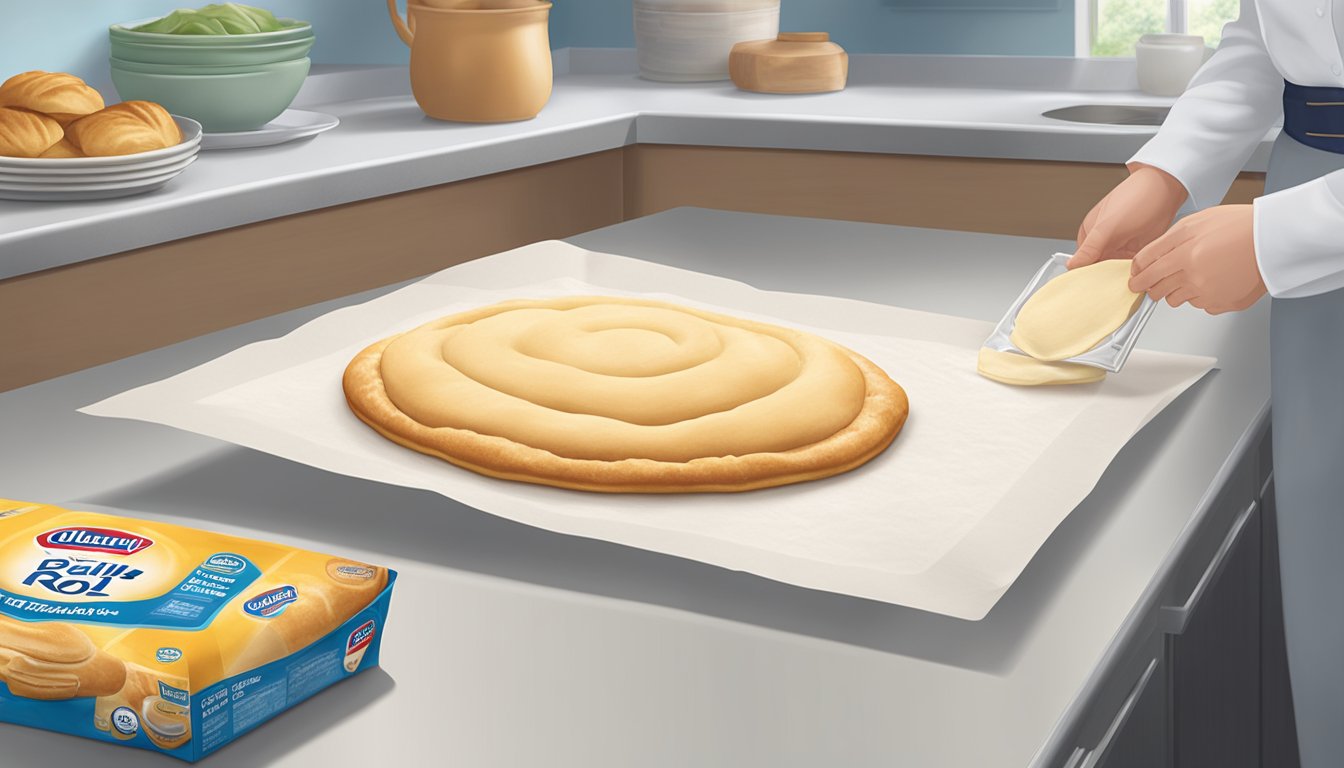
[1174,618]
[1076,759]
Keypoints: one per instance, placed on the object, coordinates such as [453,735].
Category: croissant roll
[124,129]
[27,134]
[62,97]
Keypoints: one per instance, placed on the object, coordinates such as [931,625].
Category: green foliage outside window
[1120,23]
[1207,18]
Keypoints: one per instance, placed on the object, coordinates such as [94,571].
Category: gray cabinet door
[1142,740]
[1278,731]
[1215,664]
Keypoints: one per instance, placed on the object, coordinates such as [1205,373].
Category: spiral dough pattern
[615,394]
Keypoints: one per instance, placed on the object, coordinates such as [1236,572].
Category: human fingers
[1181,295]
[1167,286]
[1161,259]
[1173,238]
[1093,216]
[1085,229]
[1093,247]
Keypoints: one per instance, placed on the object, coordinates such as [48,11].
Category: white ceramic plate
[64,194]
[290,125]
[57,167]
[99,176]
[91,186]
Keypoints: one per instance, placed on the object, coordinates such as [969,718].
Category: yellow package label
[162,631]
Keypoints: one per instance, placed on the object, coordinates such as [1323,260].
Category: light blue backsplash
[862,26]
[71,36]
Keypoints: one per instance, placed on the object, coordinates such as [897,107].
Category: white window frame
[1085,20]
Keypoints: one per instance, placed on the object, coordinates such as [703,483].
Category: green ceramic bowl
[126,31]
[210,55]
[220,103]
[188,69]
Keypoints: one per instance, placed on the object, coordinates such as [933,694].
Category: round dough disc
[1076,311]
[626,395]
[1023,371]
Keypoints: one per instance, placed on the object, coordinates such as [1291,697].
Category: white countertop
[512,646]
[955,106]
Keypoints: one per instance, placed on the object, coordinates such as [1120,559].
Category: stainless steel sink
[1110,114]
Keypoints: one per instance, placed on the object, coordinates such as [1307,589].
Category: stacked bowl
[97,178]
[689,40]
[225,82]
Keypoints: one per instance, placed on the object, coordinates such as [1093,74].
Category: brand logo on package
[226,563]
[361,637]
[356,571]
[107,541]
[168,655]
[173,695]
[125,721]
[271,603]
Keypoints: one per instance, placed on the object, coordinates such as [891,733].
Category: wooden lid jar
[794,62]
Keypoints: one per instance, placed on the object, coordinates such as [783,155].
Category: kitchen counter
[915,105]
[511,646]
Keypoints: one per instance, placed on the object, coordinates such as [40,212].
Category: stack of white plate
[97,178]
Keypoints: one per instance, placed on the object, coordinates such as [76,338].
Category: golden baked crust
[123,129]
[63,97]
[26,134]
[602,416]
[62,148]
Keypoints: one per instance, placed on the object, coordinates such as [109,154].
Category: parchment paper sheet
[943,521]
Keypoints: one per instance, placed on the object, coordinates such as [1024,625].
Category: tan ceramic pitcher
[478,61]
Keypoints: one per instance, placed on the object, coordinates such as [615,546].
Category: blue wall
[70,35]
[864,26]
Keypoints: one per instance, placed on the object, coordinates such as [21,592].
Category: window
[1112,27]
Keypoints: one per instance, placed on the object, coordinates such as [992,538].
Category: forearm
[1171,186]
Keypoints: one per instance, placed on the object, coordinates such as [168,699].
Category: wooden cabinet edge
[65,319]
[1033,198]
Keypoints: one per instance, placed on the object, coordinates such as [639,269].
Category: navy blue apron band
[1314,115]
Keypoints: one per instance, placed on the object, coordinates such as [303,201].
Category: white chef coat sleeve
[1298,242]
[1230,104]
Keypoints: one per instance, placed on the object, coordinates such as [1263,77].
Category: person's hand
[1207,259]
[1132,215]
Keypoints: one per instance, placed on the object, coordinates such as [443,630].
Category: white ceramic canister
[1166,62]
[689,40]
